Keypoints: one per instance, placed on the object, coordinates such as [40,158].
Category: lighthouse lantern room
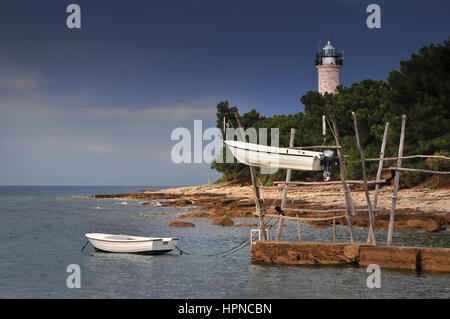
[328,64]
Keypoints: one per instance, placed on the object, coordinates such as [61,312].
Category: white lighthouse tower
[328,64]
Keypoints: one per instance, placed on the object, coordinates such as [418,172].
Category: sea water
[42,231]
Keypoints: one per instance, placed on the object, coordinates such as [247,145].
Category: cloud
[71,107]
[19,78]
[41,124]
[63,144]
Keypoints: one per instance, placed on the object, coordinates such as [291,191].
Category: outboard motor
[327,159]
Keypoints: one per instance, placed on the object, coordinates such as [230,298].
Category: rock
[195,215]
[389,257]
[320,223]
[165,213]
[245,225]
[381,224]
[351,251]
[223,221]
[177,223]
[360,222]
[428,225]
[435,259]
[291,253]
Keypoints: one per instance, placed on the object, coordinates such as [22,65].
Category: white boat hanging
[131,244]
[282,158]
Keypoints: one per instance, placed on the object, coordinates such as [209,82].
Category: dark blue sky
[96,106]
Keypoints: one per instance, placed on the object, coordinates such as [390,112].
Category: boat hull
[275,157]
[151,252]
[131,244]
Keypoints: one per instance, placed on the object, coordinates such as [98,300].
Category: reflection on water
[41,229]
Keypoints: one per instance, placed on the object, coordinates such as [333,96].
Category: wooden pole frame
[328,183]
[405,169]
[378,178]
[366,187]
[334,229]
[308,218]
[254,182]
[396,182]
[380,165]
[348,199]
[285,190]
[306,210]
[407,157]
[299,229]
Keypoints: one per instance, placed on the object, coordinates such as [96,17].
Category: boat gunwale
[149,239]
[268,152]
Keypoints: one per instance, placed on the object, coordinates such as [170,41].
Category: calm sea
[42,228]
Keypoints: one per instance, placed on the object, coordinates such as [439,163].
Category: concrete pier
[294,253]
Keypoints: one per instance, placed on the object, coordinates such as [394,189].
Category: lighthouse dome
[328,50]
[328,55]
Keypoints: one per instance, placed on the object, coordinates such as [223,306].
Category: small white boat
[131,244]
[276,157]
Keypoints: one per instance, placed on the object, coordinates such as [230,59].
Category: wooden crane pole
[396,182]
[285,189]
[350,209]
[366,187]
[258,201]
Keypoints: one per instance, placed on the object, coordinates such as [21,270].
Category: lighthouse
[328,64]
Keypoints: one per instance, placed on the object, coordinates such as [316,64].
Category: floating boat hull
[131,244]
[275,157]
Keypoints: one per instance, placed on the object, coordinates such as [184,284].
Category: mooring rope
[275,200]
[331,128]
[210,255]
[248,241]
[227,252]
[85,245]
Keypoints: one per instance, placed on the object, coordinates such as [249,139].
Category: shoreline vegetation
[418,209]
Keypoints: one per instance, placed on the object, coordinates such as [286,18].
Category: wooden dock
[295,253]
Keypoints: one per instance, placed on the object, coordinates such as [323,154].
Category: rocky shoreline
[417,209]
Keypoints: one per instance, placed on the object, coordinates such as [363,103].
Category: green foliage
[249,119]
[420,89]
[220,180]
